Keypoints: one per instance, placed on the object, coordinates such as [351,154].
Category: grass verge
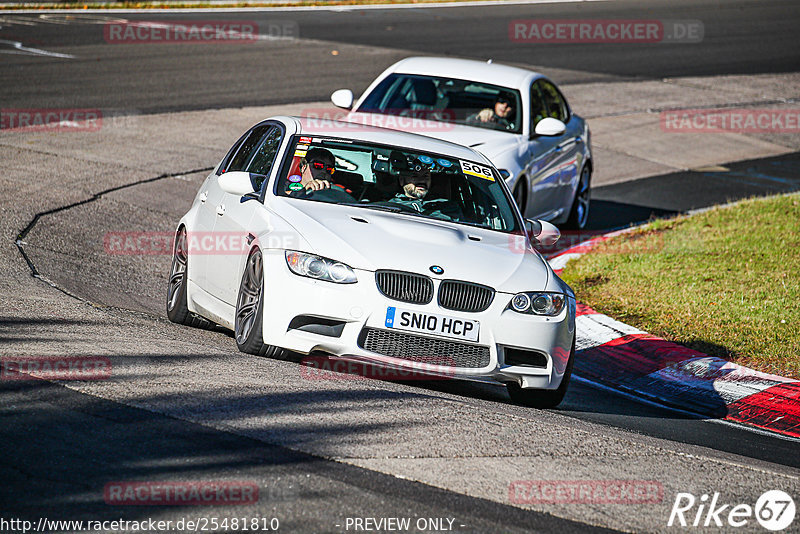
[725,282]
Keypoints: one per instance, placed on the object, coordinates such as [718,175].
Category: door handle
[203,196]
[221,210]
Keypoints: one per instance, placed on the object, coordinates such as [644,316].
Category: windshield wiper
[378,207]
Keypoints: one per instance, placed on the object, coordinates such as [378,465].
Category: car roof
[383,136]
[466,69]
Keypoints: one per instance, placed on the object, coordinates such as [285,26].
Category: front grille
[465,296]
[406,287]
[423,349]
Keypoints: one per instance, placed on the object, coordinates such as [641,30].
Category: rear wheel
[177,308]
[543,398]
[579,214]
[249,322]
[521,195]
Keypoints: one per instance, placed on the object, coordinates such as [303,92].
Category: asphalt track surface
[86,438]
[740,37]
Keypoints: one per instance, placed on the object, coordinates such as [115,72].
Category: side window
[247,148]
[223,168]
[538,106]
[264,156]
[554,102]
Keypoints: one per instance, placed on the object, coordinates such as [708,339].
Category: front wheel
[177,307]
[249,321]
[579,214]
[543,398]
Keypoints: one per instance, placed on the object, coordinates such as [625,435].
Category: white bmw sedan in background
[374,245]
[516,117]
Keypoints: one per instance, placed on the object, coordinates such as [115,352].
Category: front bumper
[346,320]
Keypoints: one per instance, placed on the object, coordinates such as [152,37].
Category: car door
[232,233]
[568,145]
[200,238]
[542,161]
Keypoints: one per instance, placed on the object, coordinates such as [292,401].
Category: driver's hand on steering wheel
[318,185]
[485,115]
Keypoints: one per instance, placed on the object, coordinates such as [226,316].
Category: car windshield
[447,100]
[422,184]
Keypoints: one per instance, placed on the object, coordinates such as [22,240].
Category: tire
[248,325]
[543,398]
[521,195]
[579,213]
[177,308]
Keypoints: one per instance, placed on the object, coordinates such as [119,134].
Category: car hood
[370,240]
[489,142]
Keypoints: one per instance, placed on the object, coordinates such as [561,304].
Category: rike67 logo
[774,510]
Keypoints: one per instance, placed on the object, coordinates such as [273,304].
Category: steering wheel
[336,193]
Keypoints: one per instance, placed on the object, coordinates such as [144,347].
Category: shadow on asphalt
[628,203]
[61,448]
[608,214]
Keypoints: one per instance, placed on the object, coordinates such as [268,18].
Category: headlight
[549,304]
[314,266]
[521,302]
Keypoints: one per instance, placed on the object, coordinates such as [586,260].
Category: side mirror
[236,183]
[342,98]
[543,232]
[550,127]
[505,174]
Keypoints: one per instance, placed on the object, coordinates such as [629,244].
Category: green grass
[725,282]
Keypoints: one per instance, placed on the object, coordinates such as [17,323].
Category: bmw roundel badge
[435,269]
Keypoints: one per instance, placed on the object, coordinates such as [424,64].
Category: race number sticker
[474,169]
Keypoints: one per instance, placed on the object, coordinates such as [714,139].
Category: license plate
[432,323]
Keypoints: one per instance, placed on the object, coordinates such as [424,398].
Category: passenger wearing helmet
[415,182]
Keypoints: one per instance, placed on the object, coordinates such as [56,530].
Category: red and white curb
[626,359]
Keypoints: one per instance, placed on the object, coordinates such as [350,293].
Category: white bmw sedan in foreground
[516,117]
[374,245]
